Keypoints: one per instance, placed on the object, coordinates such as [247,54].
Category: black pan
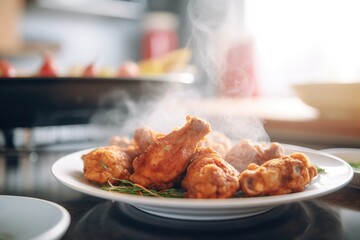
[35,101]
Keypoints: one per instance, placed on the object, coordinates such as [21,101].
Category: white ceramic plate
[349,155]
[31,219]
[69,171]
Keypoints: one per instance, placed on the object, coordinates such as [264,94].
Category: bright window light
[304,40]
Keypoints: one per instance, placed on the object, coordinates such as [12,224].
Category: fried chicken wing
[217,141]
[129,146]
[123,142]
[278,176]
[210,176]
[274,150]
[246,152]
[145,136]
[167,158]
[106,163]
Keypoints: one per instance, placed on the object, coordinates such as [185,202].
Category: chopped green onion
[103,164]
[320,170]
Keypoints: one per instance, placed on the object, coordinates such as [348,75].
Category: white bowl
[333,100]
[349,155]
[31,219]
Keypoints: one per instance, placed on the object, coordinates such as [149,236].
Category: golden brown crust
[210,176]
[106,163]
[218,142]
[145,136]
[283,175]
[166,159]
[129,146]
[245,152]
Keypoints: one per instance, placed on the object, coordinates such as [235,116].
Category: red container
[239,76]
[160,35]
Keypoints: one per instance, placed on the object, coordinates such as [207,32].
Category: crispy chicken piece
[210,176]
[129,146]
[106,163]
[217,141]
[246,152]
[145,136]
[164,162]
[123,142]
[278,176]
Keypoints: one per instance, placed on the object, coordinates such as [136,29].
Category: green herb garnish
[103,164]
[167,148]
[320,170]
[128,187]
[355,165]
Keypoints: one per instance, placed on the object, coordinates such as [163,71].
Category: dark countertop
[28,173]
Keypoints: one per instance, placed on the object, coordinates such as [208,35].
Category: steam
[216,26]
[161,111]
[223,53]
[222,45]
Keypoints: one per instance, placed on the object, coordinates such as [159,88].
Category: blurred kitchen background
[278,44]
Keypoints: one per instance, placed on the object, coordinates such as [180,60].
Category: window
[303,40]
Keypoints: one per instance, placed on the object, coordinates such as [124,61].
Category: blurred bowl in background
[332,100]
[351,156]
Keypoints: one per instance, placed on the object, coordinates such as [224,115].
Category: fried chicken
[106,163]
[142,139]
[278,176]
[217,141]
[246,152]
[167,158]
[129,146]
[145,136]
[210,176]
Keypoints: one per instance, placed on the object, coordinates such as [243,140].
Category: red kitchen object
[160,35]
[6,69]
[49,67]
[239,76]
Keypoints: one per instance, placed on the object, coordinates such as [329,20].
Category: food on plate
[145,136]
[106,164]
[164,161]
[278,176]
[128,69]
[123,142]
[217,141]
[127,145]
[194,162]
[91,70]
[210,176]
[6,69]
[142,139]
[246,152]
[129,187]
[49,67]
[320,170]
